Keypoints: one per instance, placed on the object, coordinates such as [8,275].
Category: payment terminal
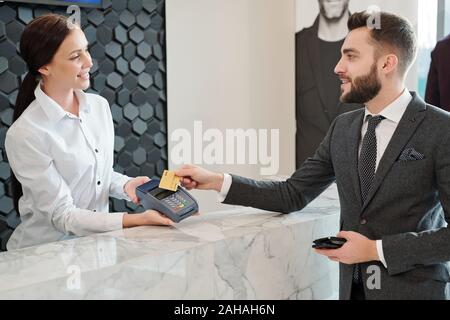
[176,205]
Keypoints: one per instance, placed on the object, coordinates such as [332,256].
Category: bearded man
[391,163]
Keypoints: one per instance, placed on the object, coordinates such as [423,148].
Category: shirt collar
[52,109]
[82,99]
[394,111]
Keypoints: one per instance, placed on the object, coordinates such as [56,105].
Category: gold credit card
[169,181]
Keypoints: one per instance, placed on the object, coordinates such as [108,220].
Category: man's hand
[357,249]
[131,185]
[193,177]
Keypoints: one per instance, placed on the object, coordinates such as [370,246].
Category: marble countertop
[220,255]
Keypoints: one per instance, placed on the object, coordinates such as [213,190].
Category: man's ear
[389,63]
[45,70]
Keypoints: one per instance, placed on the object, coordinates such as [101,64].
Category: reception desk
[241,253]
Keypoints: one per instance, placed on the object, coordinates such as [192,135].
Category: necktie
[368,156]
[366,168]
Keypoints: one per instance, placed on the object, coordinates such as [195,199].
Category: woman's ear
[45,71]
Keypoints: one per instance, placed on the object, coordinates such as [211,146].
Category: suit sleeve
[407,251]
[309,181]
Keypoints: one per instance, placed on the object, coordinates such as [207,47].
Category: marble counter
[241,253]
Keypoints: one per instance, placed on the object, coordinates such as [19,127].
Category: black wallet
[328,243]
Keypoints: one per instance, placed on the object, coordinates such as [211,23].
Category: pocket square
[411,154]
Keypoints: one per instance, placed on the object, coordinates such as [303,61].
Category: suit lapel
[353,138]
[314,56]
[411,119]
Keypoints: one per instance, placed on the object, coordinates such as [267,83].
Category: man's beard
[364,88]
[335,18]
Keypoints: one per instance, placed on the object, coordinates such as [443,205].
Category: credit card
[169,181]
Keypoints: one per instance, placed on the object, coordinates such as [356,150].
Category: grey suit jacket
[407,207]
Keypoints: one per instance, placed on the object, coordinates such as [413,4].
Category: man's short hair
[395,32]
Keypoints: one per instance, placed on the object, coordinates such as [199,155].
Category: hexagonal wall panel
[122,66]
[125,39]
[113,49]
[2,29]
[3,64]
[144,50]
[137,65]
[136,34]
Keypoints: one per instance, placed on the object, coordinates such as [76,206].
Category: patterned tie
[368,156]
[366,169]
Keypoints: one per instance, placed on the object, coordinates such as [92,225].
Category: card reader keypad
[176,202]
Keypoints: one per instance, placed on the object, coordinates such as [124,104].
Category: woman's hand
[131,185]
[147,218]
[154,218]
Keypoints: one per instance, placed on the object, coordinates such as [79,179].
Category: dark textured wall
[127,42]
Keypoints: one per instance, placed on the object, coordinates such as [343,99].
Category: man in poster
[317,87]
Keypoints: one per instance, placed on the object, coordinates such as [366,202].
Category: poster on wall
[321,28]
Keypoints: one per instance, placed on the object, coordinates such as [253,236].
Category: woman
[60,146]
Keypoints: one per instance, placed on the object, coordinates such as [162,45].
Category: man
[391,163]
[317,87]
[438,84]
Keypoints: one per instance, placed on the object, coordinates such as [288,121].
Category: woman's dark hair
[38,44]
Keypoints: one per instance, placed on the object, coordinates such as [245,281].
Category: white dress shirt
[384,131]
[65,166]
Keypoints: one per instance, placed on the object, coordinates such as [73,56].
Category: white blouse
[65,166]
